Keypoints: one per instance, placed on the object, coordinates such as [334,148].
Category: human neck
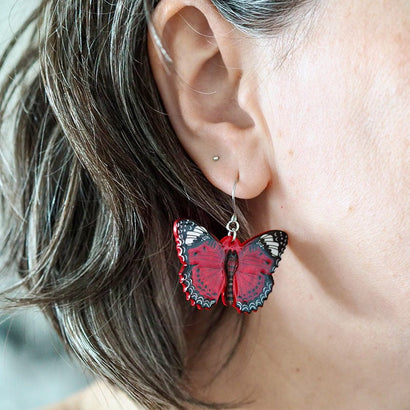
[305,350]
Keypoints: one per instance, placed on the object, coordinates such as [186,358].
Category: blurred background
[34,368]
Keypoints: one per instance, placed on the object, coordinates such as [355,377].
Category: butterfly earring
[238,273]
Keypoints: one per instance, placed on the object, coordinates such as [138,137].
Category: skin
[321,143]
[342,307]
[327,127]
[98,396]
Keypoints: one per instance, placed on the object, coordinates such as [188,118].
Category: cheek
[324,155]
[346,179]
[340,135]
[346,186]
[349,141]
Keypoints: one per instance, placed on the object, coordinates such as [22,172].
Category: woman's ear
[205,73]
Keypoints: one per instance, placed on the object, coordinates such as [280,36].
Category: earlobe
[205,86]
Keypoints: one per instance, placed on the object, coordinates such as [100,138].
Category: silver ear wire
[216,158]
[233,195]
[233,225]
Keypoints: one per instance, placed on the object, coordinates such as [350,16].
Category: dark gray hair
[97,178]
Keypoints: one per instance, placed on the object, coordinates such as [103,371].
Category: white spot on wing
[271,244]
[192,236]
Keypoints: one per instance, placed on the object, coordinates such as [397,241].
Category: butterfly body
[238,273]
[231,266]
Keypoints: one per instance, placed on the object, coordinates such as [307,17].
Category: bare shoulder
[96,397]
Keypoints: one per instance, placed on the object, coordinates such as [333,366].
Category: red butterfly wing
[202,273]
[258,259]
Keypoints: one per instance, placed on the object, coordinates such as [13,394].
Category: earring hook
[233,225]
[233,195]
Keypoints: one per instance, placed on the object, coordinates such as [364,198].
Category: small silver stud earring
[216,158]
